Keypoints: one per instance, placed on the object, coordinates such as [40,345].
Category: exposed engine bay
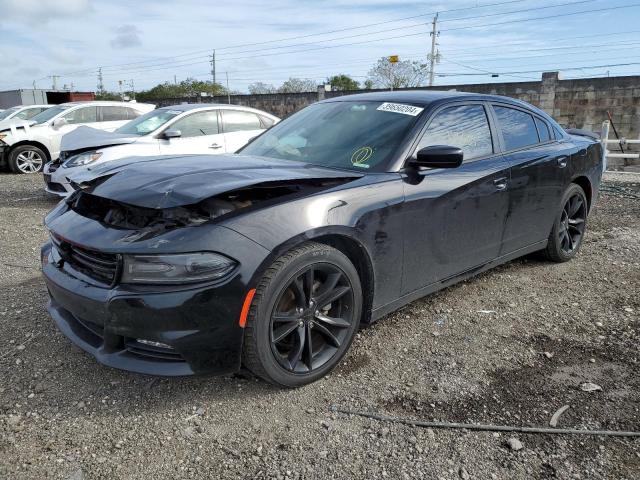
[149,222]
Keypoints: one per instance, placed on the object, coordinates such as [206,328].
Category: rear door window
[82,115]
[543,130]
[518,127]
[463,126]
[113,114]
[238,121]
[197,124]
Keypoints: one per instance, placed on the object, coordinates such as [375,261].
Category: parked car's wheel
[27,159]
[303,317]
[569,226]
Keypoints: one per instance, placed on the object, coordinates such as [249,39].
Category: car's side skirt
[434,287]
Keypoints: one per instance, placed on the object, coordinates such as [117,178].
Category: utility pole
[133,91]
[54,81]
[213,67]
[228,92]
[100,82]
[434,56]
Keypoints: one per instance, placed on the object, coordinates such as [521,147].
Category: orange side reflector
[245,307]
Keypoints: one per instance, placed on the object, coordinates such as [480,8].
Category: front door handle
[562,162]
[215,145]
[500,183]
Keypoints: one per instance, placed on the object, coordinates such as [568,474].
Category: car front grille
[100,266]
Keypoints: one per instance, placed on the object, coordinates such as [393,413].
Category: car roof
[104,102]
[425,97]
[187,107]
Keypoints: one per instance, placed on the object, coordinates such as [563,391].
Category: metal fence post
[604,136]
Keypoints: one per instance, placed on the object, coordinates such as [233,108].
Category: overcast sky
[151,41]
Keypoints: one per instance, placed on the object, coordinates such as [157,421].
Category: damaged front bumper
[160,330]
[52,183]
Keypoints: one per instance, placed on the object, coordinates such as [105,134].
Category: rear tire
[569,226]
[303,316]
[27,159]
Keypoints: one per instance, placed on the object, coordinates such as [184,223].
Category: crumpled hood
[86,137]
[165,182]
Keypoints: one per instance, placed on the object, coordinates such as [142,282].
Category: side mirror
[168,134]
[58,122]
[438,156]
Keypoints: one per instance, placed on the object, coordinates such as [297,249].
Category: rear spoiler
[583,133]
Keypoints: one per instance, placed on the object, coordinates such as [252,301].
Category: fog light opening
[151,343]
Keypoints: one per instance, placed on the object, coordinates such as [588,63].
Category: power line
[371,33]
[356,27]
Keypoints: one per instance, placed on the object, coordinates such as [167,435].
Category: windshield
[148,122]
[352,135]
[49,113]
[7,113]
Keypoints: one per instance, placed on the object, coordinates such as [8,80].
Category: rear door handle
[562,162]
[215,145]
[500,183]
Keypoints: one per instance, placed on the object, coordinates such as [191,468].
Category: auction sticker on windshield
[400,108]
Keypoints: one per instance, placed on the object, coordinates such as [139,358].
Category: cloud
[26,11]
[127,36]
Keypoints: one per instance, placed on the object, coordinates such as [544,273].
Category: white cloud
[42,10]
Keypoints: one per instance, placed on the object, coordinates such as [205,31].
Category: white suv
[20,112]
[177,130]
[27,145]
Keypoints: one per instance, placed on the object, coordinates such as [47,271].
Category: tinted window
[114,114]
[352,135]
[197,124]
[237,121]
[82,115]
[518,127]
[543,130]
[465,127]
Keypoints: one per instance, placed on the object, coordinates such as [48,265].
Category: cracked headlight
[82,159]
[176,268]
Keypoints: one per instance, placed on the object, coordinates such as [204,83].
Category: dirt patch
[473,352]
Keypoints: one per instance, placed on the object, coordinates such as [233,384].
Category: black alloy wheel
[312,318]
[303,316]
[569,228]
[572,223]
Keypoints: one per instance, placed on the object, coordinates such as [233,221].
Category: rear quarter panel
[587,161]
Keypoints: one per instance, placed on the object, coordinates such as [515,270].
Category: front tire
[27,159]
[569,226]
[303,316]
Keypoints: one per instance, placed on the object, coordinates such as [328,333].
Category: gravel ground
[509,347]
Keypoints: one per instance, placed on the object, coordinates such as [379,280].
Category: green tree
[188,88]
[368,84]
[108,96]
[403,74]
[297,85]
[343,82]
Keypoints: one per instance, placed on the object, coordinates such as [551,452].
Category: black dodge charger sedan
[273,257]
